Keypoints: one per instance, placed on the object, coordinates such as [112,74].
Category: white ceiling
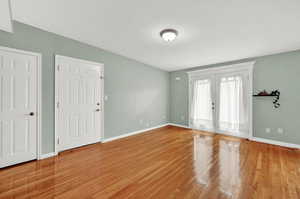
[210,31]
[5,16]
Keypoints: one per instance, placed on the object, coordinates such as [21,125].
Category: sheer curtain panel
[201,108]
[233,110]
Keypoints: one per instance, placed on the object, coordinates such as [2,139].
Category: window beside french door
[220,101]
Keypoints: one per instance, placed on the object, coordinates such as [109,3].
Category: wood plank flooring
[169,162]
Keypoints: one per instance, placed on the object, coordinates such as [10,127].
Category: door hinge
[57,104]
[58,68]
[101,77]
[57,141]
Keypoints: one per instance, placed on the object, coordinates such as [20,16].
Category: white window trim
[246,66]
[39,95]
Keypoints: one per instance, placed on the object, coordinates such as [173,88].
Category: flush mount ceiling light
[169,34]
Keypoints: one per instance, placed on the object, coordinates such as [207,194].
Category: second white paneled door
[79,104]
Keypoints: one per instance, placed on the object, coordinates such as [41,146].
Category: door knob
[97,110]
[31,113]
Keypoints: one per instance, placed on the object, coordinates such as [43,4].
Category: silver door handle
[97,110]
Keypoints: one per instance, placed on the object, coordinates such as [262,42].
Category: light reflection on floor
[228,158]
[202,158]
[229,166]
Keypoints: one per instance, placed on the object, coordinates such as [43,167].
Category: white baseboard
[263,140]
[133,133]
[47,155]
[274,142]
[179,125]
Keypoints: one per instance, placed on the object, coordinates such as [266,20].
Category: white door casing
[20,107]
[79,102]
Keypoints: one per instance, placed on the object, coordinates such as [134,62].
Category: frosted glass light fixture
[168,34]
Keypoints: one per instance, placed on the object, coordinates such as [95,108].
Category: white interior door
[79,111]
[18,107]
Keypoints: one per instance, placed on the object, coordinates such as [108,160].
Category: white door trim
[39,95]
[246,66]
[56,151]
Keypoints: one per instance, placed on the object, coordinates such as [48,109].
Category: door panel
[202,105]
[233,103]
[18,97]
[80,100]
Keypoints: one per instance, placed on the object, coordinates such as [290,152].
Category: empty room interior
[159,99]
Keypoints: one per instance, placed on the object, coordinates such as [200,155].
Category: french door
[220,101]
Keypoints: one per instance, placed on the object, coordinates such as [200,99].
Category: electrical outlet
[178,78]
[268,130]
[280,130]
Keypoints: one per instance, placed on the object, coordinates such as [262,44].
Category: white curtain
[233,113]
[201,116]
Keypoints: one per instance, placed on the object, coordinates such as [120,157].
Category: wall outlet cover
[280,130]
[268,130]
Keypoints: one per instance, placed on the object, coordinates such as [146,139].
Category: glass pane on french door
[232,104]
[201,111]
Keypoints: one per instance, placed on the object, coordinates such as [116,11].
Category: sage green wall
[280,71]
[135,90]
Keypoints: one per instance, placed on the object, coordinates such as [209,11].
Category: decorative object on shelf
[263,93]
[274,93]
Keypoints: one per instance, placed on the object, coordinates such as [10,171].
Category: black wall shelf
[275,94]
[264,95]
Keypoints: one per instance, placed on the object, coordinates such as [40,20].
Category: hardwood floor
[170,162]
